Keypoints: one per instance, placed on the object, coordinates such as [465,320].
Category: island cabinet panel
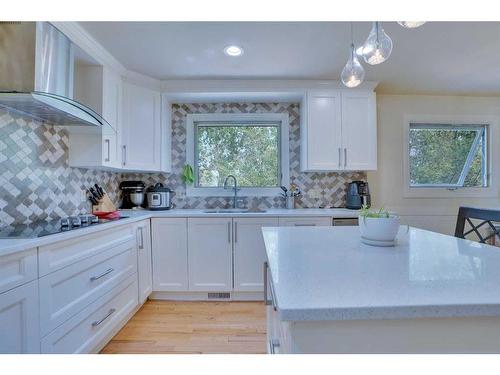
[249,252]
[19,320]
[210,254]
[170,254]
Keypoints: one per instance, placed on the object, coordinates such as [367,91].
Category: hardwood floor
[193,327]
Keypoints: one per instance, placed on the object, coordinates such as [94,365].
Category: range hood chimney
[36,75]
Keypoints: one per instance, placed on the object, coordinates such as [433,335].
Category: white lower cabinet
[89,330]
[19,320]
[170,254]
[144,262]
[210,254]
[68,290]
[249,252]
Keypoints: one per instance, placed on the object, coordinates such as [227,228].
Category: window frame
[491,144]
[191,157]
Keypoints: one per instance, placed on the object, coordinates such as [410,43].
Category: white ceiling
[439,57]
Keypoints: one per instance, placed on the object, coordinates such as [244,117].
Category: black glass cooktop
[45,228]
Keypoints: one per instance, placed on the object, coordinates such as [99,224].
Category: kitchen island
[431,293]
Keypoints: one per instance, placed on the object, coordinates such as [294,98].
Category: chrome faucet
[235,188]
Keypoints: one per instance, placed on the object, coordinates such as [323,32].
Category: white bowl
[379,229]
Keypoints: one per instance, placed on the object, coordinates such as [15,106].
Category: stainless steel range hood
[36,75]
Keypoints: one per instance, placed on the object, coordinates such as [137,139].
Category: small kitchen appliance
[132,194]
[358,195]
[159,197]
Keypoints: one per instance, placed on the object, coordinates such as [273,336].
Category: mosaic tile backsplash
[36,182]
[332,186]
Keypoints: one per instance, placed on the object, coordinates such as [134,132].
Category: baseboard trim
[203,296]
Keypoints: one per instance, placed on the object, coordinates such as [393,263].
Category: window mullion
[470,158]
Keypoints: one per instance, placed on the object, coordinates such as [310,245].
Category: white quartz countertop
[326,273]
[8,246]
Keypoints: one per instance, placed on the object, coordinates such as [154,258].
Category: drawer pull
[305,225]
[94,278]
[97,322]
[273,344]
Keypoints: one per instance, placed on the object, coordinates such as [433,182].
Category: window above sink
[252,147]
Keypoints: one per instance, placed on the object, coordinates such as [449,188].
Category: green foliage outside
[437,156]
[250,153]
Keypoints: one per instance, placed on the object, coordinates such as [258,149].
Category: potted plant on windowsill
[378,228]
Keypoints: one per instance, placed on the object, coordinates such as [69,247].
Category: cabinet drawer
[86,331]
[17,269]
[65,292]
[305,221]
[62,254]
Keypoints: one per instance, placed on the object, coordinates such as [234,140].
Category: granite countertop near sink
[8,246]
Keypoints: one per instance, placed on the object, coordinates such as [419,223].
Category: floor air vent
[219,295]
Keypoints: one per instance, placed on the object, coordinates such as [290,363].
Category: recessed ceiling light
[233,51]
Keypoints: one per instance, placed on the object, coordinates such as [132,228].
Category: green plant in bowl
[377,214]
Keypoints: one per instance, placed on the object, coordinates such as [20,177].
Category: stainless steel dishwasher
[344,222]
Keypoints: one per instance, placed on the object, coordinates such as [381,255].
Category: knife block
[104,205]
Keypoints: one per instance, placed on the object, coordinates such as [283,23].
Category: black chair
[482,217]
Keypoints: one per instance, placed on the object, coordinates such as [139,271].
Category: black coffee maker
[358,195]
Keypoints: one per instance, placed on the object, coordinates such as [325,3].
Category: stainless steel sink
[233,211]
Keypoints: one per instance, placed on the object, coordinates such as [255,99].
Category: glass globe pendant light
[378,46]
[411,24]
[353,73]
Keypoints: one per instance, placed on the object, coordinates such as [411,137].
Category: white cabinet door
[321,133]
[141,148]
[305,221]
[170,254]
[144,264]
[250,253]
[210,254]
[112,88]
[359,131]
[19,320]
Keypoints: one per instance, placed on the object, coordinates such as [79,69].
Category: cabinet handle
[97,322]
[107,142]
[345,157]
[141,243]
[305,225]
[340,157]
[266,301]
[273,344]
[235,232]
[94,278]
[229,231]
[124,155]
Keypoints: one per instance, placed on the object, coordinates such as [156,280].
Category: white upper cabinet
[142,129]
[338,130]
[99,88]
[321,134]
[359,131]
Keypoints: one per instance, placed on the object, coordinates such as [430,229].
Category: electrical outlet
[83,195]
[314,194]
